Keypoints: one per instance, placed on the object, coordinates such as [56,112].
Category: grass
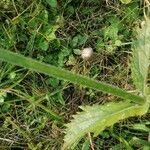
[55,34]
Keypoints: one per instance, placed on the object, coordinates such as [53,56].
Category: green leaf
[141,127]
[79,40]
[43,44]
[2,99]
[53,82]
[96,118]
[125,1]
[74,41]
[141,56]
[132,12]
[77,51]
[86,145]
[111,32]
[32,64]
[52,3]
[135,141]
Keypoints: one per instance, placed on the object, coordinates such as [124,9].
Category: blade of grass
[53,114]
[32,64]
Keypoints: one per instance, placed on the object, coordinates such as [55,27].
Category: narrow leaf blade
[50,70]
[96,118]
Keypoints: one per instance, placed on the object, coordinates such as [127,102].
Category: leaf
[86,145]
[141,127]
[57,72]
[74,41]
[52,3]
[79,40]
[77,51]
[135,141]
[132,12]
[43,44]
[141,56]
[125,1]
[49,32]
[96,118]
[111,32]
[53,82]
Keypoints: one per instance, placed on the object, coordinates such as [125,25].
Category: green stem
[29,63]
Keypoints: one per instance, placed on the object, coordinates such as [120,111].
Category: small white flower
[86,53]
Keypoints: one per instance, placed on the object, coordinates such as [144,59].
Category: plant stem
[50,70]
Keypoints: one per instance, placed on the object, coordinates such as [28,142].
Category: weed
[34,107]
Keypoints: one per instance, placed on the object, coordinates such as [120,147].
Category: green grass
[54,34]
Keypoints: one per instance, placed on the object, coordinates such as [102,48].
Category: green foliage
[29,63]
[34,29]
[140,59]
[111,35]
[5,4]
[53,82]
[86,145]
[137,142]
[125,1]
[96,118]
[55,32]
[111,32]
[132,12]
[52,3]
[100,116]
[79,40]
[142,127]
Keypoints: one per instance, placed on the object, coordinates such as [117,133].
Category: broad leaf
[96,118]
[141,57]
